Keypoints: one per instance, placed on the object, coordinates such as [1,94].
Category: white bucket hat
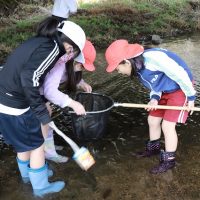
[76,34]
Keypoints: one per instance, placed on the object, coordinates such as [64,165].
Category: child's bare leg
[37,159]
[167,157]
[45,129]
[171,138]
[24,156]
[154,127]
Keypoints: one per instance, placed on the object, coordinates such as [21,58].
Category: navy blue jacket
[24,73]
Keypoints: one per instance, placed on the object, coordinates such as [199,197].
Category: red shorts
[177,98]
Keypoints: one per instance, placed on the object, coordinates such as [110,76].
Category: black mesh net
[93,125]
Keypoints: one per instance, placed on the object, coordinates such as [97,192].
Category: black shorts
[23,132]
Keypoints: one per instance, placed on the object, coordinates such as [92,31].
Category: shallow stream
[118,174]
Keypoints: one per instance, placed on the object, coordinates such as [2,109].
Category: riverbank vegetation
[103,21]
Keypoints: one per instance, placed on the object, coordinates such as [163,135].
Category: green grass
[18,32]
[15,34]
[161,15]
[142,4]
[109,20]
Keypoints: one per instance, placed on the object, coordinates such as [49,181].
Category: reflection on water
[117,174]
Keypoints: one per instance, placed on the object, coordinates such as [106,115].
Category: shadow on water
[117,174]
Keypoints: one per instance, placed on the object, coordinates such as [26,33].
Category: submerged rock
[156,39]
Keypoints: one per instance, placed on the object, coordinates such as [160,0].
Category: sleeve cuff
[81,81]
[191,98]
[154,96]
[69,100]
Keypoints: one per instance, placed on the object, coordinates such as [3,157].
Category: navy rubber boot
[40,183]
[167,161]
[23,168]
[151,148]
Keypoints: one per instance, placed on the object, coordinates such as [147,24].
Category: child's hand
[77,107]
[190,106]
[152,102]
[85,87]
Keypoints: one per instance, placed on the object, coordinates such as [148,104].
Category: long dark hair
[47,27]
[64,38]
[73,78]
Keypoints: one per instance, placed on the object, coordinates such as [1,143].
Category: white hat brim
[80,58]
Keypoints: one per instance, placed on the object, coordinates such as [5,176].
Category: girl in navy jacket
[22,109]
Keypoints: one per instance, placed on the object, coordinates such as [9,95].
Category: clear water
[117,174]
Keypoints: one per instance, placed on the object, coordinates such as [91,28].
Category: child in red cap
[71,74]
[170,83]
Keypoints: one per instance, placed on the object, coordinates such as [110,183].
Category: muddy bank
[104,21]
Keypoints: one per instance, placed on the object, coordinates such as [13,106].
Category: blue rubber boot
[40,183]
[23,168]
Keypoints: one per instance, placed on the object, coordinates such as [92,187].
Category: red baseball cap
[120,50]
[89,53]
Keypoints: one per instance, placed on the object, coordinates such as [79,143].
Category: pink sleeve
[51,85]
